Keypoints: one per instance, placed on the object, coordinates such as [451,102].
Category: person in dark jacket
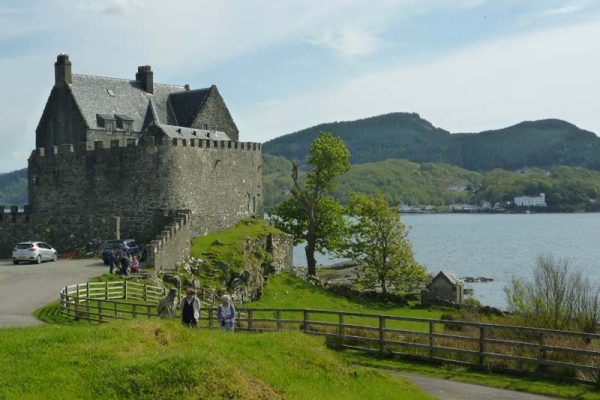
[190,309]
[124,257]
[111,256]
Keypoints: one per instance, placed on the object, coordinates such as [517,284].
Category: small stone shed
[444,288]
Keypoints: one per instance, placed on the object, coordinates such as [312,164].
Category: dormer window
[106,121]
[124,122]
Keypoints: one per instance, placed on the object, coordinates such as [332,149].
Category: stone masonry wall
[172,245]
[282,249]
[218,181]
[75,191]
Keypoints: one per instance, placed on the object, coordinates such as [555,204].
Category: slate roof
[128,99]
[449,276]
[191,133]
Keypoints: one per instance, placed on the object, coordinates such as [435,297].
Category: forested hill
[13,188]
[541,143]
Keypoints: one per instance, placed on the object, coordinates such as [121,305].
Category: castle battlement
[84,148]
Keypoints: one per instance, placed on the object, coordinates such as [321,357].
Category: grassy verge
[462,374]
[287,291]
[160,360]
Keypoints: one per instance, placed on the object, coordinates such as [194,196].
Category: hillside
[13,187]
[566,188]
[543,143]
[163,360]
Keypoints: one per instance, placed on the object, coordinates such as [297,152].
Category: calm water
[498,246]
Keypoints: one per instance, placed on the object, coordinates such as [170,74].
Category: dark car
[133,249]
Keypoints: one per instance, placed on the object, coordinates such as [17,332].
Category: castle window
[124,122]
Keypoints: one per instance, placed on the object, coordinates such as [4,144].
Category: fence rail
[543,352]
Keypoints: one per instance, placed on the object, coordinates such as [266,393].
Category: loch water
[497,246]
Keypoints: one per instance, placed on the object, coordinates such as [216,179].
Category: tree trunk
[311,262]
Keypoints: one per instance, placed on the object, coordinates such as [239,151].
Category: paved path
[451,390]
[27,287]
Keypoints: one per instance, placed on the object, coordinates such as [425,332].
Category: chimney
[62,70]
[145,77]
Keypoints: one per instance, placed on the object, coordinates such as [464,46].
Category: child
[135,265]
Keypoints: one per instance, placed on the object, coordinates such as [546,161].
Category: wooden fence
[543,352]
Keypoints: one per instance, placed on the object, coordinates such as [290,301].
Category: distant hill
[402,181]
[13,188]
[543,143]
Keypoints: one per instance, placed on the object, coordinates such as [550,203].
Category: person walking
[190,309]
[111,258]
[124,257]
[226,314]
[167,305]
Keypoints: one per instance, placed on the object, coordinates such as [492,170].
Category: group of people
[122,261]
[190,309]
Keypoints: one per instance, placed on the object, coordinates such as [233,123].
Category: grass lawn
[287,291]
[162,360]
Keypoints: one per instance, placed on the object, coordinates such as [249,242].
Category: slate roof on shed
[92,97]
[449,276]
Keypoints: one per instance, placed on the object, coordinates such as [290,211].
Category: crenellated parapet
[86,148]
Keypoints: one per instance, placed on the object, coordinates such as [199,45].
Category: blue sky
[464,65]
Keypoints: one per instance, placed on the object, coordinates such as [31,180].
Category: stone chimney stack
[62,70]
[145,76]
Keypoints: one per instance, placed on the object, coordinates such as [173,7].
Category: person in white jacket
[190,309]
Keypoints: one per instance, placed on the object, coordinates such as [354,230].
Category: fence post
[210,318]
[99,310]
[77,302]
[115,308]
[250,317]
[87,289]
[431,332]
[381,333]
[482,336]
[305,327]
[146,293]
[278,318]
[106,290]
[125,289]
[541,353]
[341,329]
[134,311]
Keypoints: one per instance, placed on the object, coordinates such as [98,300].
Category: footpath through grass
[162,360]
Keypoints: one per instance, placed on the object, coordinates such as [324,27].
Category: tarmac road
[26,287]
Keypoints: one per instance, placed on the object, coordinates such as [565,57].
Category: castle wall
[219,182]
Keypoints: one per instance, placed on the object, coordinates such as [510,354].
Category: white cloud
[548,74]
[569,7]
[348,41]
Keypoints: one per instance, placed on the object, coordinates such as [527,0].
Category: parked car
[35,252]
[133,249]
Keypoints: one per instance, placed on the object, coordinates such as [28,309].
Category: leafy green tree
[311,214]
[379,241]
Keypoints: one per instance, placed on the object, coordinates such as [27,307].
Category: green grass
[163,360]
[287,291]
[463,374]
[51,314]
[230,250]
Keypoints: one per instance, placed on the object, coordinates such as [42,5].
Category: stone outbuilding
[444,288]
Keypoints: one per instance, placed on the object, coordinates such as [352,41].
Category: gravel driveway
[27,287]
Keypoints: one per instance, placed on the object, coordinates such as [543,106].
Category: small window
[205,126]
[110,93]
[127,127]
[109,127]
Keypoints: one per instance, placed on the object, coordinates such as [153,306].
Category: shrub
[556,298]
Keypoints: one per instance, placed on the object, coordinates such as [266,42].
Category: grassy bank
[287,291]
[157,359]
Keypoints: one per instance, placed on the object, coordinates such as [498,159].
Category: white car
[35,252]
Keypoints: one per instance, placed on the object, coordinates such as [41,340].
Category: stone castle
[133,158]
